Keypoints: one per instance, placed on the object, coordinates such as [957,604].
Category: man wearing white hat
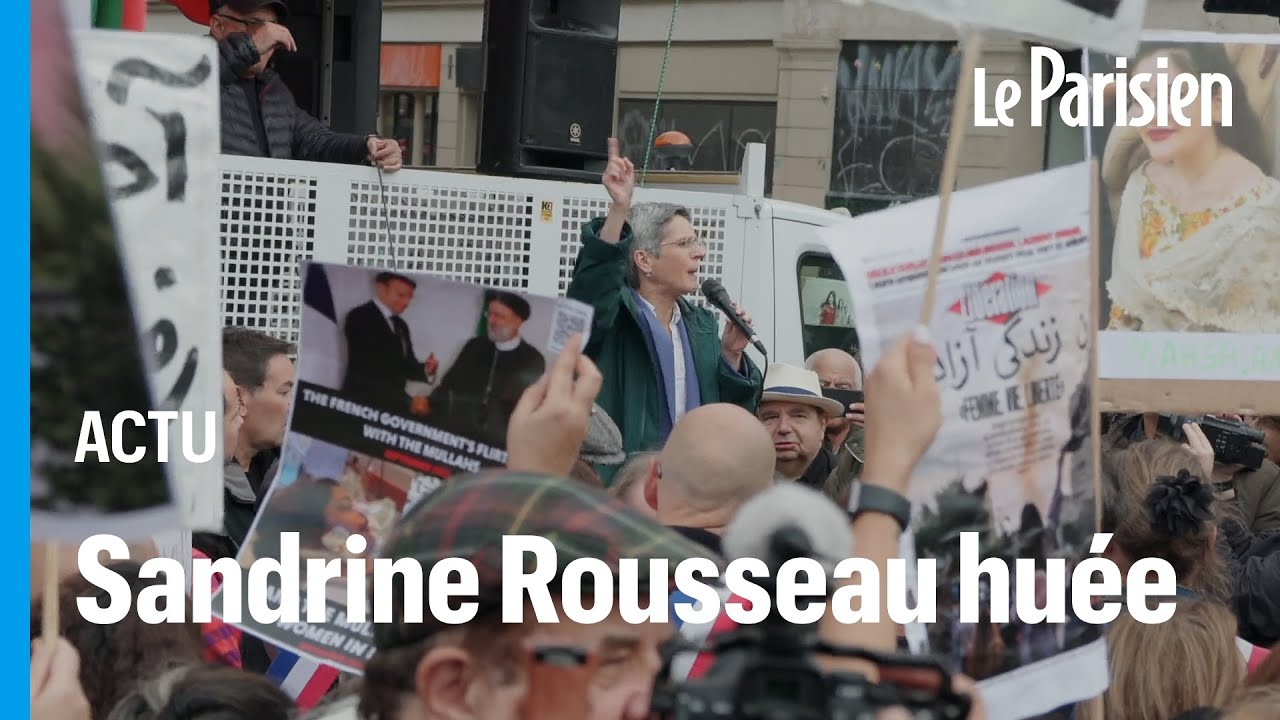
[795,412]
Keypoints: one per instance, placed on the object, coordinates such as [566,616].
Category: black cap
[248,6]
[517,303]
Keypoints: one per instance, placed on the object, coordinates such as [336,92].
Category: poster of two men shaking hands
[452,356]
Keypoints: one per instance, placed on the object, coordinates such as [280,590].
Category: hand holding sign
[385,153]
[904,411]
[55,681]
[549,424]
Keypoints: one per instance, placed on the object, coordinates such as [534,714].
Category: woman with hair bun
[1157,505]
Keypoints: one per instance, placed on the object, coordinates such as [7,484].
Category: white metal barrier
[501,232]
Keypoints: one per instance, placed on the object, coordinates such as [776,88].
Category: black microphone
[715,294]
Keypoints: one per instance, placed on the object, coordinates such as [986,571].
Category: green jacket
[631,389]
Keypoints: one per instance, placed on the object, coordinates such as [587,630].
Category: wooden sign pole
[964,90]
[49,601]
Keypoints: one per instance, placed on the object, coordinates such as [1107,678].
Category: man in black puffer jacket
[260,117]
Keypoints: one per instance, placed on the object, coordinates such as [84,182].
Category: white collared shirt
[386,313]
[507,345]
[677,342]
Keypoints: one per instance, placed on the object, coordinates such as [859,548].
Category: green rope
[653,124]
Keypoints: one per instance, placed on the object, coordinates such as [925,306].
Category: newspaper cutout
[1184,289]
[404,381]
[1013,460]
[86,353]
[154,102]
[1107,25]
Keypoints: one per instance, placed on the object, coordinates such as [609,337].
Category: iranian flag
[119,14]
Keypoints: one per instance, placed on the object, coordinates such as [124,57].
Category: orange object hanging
[672,137]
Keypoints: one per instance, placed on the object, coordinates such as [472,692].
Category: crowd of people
[650,438]
[693,430]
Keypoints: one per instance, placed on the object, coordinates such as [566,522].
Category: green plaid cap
[468,516]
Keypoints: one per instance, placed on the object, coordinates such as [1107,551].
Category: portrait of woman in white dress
[1197,208]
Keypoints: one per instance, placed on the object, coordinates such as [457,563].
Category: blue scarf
[662,347]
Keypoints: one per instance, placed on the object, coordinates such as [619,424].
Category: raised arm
[904,414]
[620,180]
[600,272]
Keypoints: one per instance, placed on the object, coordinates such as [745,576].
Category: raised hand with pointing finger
[619,179]
[619,176]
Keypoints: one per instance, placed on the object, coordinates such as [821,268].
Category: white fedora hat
[787,383]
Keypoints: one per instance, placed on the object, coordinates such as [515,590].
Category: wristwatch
[873,498]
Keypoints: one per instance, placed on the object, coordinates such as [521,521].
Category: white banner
[1106,25]
[1013,460]
[154,105]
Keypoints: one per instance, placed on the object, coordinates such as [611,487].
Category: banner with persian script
[154,103]
[1014,459]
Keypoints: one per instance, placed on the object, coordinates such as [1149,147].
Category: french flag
[694,665]
[1252,654]
[306,681]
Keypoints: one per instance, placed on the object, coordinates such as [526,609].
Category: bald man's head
[836,369]
[716,458]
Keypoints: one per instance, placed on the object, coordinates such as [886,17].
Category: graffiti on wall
[893,116]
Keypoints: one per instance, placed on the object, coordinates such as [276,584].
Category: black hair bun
[1179,505]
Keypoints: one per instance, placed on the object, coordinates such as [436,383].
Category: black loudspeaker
[1244,7]
[355,47]
[549,79]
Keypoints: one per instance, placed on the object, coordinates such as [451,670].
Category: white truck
[513,233]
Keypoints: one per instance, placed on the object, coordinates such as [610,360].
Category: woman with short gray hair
[660,354]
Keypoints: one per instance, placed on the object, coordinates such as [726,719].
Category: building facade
[853,102]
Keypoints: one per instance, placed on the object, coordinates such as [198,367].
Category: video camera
[1233,443]
[769,671]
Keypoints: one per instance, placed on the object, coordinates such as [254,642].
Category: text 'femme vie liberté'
[1161,98]
[802,588]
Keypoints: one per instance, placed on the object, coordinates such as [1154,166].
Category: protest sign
[1191,233]
[1014,459]
[825,302]
[404,380]
[176,545]
[86,353]
[1107,25]
[154,103]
